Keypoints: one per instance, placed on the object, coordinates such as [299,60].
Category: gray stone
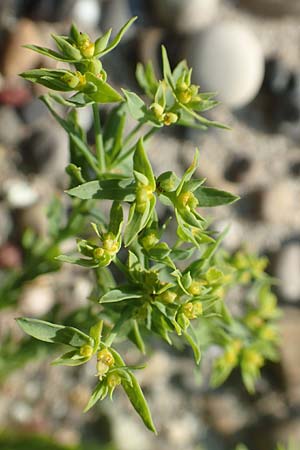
[272,7]
[115,14]
[37,298]
[46,151]
[186,17]
[11,127]
[15,58]
[5,224]
[288,271]
[228,59]
[290,354]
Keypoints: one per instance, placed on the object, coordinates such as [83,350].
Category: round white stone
[228,59]
[87,13]
[187,16]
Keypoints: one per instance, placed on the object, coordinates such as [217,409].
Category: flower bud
[102,369]
[106,357]
[86,351]
[71,80]
[149,240]
[167,182]
[184,96]
[143,194]
[252,359]
[98,253]
[196,287]
[167,296]
[157,110]
[113,380]
[94,66]
[187,200]
[192,310]
[110,244]
[86,47]
[169,118]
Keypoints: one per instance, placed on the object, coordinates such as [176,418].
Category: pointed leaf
[214,197]
[50,332]
[97,394]
[118,37]
[102,41]
[138,401]
[104,92]
[71,359]
[118,295]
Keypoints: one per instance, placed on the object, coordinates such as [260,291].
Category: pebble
[5,223]
[19,193]
[15,58]
[115,14]
[87,13]
[272,7]
[277,76]
[46,151]
[288,270]
[237,169]
[43,10]
[280,203]
[186,17]
[228,59]
[290,355]
[37,298]
[11,129]
[10,256]
[33,217]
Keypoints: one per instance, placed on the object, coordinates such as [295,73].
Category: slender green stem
[99,139]
[121,266]
[131,149]
[132,133]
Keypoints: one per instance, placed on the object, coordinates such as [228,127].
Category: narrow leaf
[214,197]
[118,37]
[50,332]
[118,295]
[114,189]
[138,401]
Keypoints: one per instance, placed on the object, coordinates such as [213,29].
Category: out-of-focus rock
[15,95]
[290,354]
[272,7]
[225,413]
[37,298]
[237,169]
[43,10]
[288,271]
[19,193]
[33,217]
[5,223]
[16,59]
[11,127]
[33,111]
[10,256]
[46,151]
[186,17]
[281,203]
[115,14]
[228,59]
[87,13]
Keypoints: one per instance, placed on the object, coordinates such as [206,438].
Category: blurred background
[249,52]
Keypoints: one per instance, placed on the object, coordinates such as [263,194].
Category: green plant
[175,289]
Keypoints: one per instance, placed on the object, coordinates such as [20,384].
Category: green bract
[174,287]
